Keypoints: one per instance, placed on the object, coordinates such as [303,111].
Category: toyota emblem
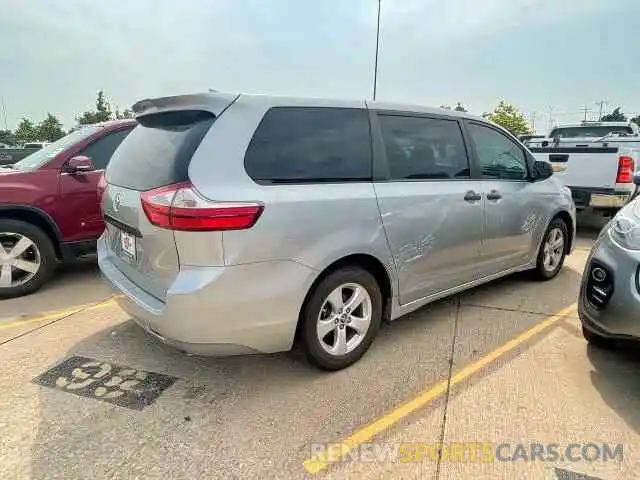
[117,200]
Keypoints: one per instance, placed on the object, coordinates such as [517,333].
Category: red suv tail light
[102,186]
[179,207]
[625,170]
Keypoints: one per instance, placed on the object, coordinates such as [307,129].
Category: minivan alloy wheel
[20,259]
[554,247]
[344,319]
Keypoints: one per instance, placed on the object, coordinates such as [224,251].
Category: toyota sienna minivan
[249,223]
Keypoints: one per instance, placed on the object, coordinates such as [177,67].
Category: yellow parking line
[57,314]
[365,434]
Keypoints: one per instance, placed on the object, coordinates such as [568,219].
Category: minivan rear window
[158,150]
[310,145]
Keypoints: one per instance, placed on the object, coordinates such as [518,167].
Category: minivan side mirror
[80,164]
[542,170]
[636,178]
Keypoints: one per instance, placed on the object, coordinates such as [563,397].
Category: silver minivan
[247,223]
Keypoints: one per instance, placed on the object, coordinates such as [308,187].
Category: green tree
[615,116]
[7,137]
[103,109]
[102,113]
[26,131]
[460,108]
[636,120]
[126,113]
[50,129]
[509,117]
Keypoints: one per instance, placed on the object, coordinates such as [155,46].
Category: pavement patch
[120,385]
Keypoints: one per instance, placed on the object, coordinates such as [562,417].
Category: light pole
[4,112]
[375,68]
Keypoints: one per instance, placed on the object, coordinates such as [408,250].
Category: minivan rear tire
[46,252]
[318,304]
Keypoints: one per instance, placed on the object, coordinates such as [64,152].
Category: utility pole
[550,122]
[533,121]
[586,110]
[602,103]
[375,68]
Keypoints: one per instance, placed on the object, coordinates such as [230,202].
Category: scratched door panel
[120,385]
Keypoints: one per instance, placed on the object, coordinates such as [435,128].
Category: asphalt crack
[448,389]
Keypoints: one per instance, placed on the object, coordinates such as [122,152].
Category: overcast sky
[55,55]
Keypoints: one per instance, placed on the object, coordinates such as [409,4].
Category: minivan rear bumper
[218,311]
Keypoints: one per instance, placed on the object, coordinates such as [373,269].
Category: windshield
[589,132]
[42,156]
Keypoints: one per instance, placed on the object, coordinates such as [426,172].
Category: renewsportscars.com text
[485,452]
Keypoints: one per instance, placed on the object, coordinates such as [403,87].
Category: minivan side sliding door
[431,206]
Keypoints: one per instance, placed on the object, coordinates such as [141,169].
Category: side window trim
[381,172]
[517,143]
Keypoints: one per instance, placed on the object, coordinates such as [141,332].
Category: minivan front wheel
[552,250]
[27,258]
[341,318]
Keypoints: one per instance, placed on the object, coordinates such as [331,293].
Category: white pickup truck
[596,160]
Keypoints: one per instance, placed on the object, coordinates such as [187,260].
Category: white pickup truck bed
[590,170]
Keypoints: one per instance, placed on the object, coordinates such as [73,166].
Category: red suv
[49,205]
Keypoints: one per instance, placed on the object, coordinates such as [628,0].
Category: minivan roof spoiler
[215,103]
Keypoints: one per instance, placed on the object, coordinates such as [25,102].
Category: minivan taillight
[625,170]
[180,207]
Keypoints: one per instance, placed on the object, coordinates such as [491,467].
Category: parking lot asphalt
[63,416]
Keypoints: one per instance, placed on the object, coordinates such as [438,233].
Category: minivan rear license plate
[128,243]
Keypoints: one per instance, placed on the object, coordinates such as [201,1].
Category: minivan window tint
[498,156]
[423,148]
[101,150]
[158,150]
[309,145]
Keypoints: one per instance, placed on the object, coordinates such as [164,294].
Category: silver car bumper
[219,311]
[620,315]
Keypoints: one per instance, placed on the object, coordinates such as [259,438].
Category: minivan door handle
[494,195]
[472,196]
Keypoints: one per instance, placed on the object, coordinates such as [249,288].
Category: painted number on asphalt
[123,386]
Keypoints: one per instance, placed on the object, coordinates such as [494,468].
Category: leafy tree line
[50,128]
